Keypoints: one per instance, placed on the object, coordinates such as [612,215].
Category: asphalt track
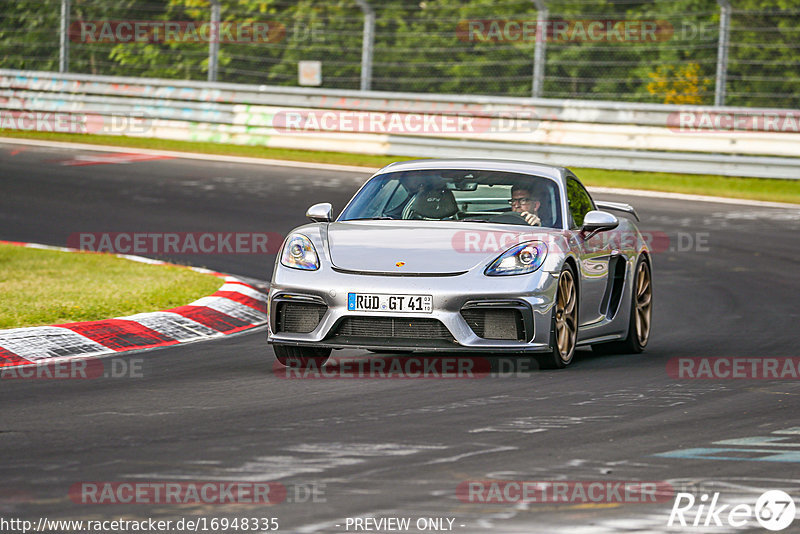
[400,448]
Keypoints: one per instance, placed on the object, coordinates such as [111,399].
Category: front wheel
[640,315]
[564,330]
[301,357]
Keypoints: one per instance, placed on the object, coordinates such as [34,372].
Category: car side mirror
[320,212]
[598,221]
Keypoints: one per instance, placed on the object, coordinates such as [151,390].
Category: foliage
[418,47]
[679,85]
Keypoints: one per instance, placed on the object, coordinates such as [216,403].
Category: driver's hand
[531,218]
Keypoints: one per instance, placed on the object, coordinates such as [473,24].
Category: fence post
[539,53]
[367,44]
[213,42]
[63,52]
[722,51]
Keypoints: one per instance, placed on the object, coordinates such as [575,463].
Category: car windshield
[458,195]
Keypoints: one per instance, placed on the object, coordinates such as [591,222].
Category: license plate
[389,302]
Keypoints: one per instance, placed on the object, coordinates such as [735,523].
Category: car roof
[504,165]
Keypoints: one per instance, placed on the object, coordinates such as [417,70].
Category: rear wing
[616,206]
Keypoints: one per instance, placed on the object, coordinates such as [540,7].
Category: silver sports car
[467,256]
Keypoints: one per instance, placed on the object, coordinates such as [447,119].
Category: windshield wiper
[382,218]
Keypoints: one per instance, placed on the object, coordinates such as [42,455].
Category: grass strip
[42,287]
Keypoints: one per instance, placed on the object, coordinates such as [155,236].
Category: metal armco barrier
[610,135]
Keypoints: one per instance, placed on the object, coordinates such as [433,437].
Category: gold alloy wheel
[644,303]
[566,316]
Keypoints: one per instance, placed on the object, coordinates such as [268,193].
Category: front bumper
[532,294]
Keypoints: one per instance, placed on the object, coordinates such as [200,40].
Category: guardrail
[612,135]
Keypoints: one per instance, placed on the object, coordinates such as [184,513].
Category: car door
[593,254]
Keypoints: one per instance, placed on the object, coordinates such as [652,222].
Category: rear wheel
[640,315]
[302,357]
[564,329]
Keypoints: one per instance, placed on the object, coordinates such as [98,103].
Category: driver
[523,202]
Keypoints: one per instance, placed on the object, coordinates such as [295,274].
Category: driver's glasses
[524,200]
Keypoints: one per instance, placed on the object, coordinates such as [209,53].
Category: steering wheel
[509,217]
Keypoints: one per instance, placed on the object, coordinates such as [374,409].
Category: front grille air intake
[495,323]
[393,327]
[299,317]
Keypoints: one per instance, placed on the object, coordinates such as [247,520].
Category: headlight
[299,253]
[519,259]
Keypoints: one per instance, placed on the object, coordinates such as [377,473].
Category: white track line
[370,170]
[691,198]
[191,155]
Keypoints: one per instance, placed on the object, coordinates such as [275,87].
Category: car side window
[579,201]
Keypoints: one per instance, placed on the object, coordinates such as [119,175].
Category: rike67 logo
[773,510]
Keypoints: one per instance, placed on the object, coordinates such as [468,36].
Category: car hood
[420,247]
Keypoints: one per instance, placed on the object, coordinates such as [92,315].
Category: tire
[564,325]
[641,314]
[301,357]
